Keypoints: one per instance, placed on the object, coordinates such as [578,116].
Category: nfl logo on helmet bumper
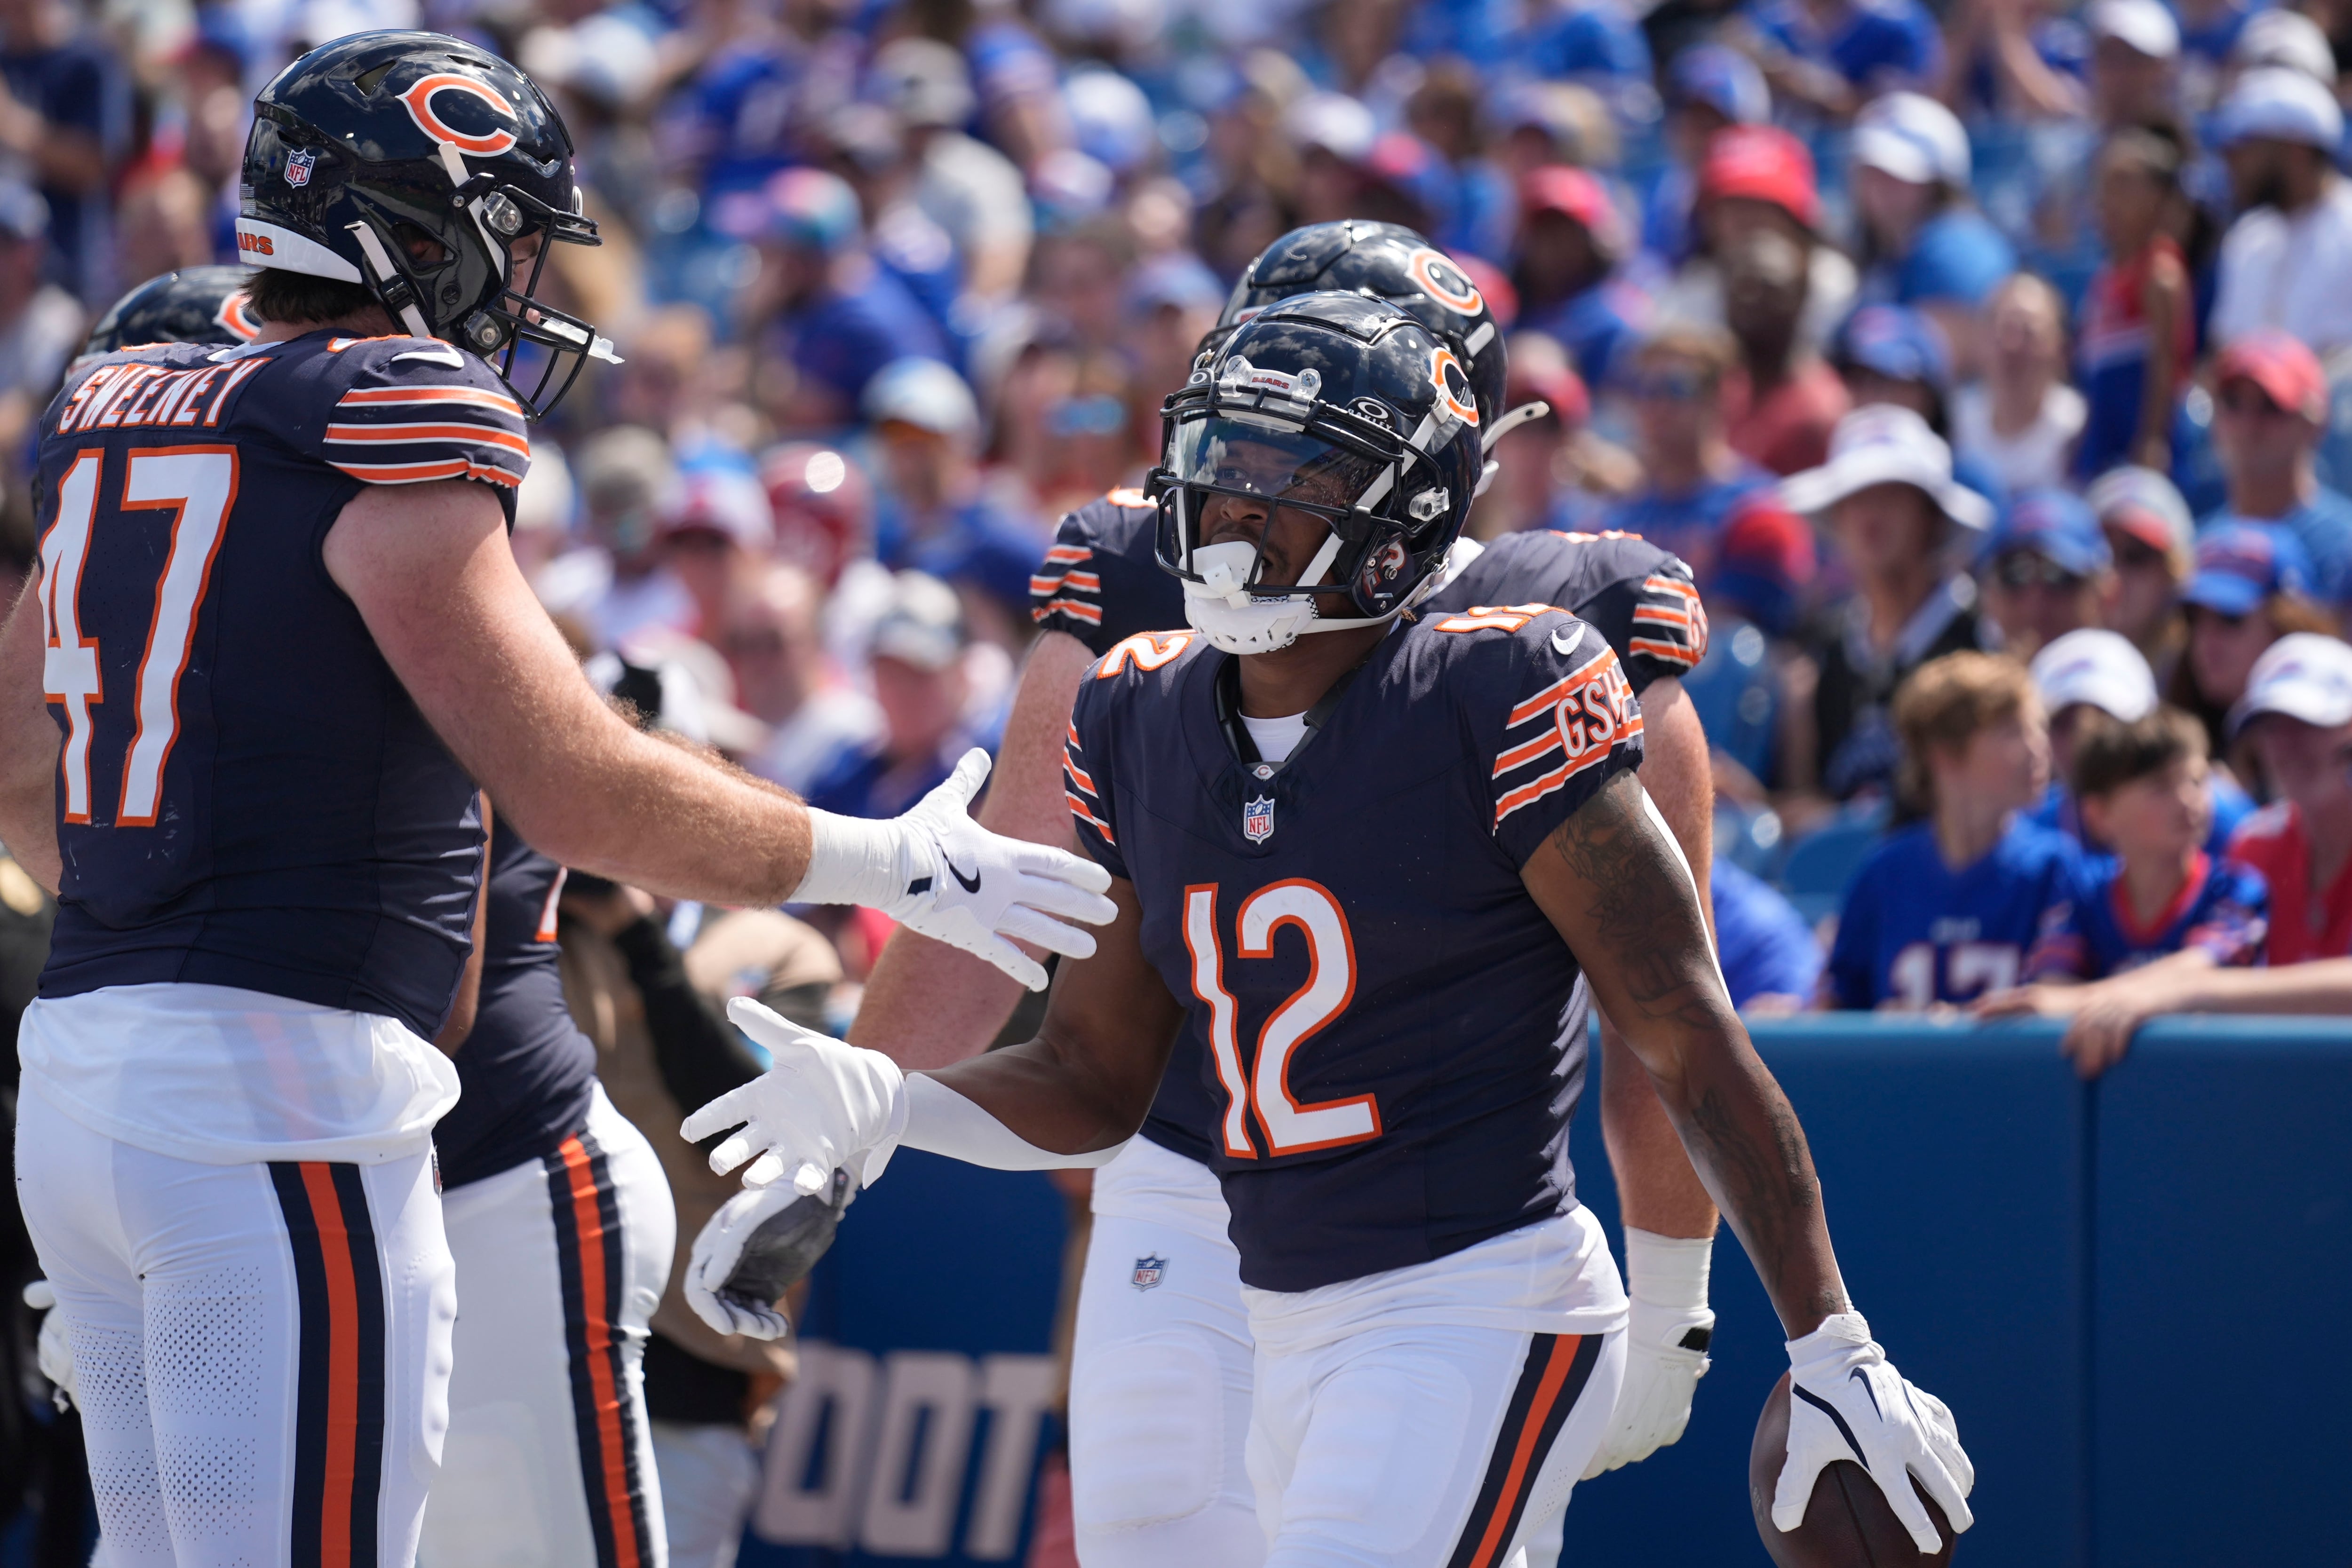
[298,166]
[1257,819]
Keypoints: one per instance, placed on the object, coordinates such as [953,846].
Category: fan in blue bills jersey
[208,672]
[2221,911]
[1914,933]
[1270,929]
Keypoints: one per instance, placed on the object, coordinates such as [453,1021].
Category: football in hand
[1848,1523]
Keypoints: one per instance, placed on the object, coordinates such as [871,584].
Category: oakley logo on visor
[1453,386]
[1444,282]
[418,100]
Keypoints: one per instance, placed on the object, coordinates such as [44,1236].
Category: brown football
[1848,1523]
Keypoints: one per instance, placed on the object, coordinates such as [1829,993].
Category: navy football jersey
[1634,594]
[1394,1037]
[526,1072]
[247,796]
[1102,583]
[1101,580]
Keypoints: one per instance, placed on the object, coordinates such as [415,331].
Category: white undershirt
[1276,738]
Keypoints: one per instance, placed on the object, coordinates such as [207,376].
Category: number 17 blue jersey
[246,796]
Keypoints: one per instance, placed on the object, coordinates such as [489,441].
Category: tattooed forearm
[1763,1176]
[1615,892]
[1642,905]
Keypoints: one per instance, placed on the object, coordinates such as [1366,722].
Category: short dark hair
[2110,756]
[278,295]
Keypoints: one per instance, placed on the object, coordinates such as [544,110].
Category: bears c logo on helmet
[236,315]
[1453,386]
[418,100]
[1444,282]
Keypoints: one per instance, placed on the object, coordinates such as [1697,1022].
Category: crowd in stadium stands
[1989,361]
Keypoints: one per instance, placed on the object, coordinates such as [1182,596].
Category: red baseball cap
[1559,188]
[1763,163]
[2287,371]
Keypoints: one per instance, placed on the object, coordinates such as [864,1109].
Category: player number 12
[198,485]
[1290,1127]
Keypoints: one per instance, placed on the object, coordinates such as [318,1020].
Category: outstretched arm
[429,569]
[926,1003]
[1609,881]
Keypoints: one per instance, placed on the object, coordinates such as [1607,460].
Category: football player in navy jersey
[1148,1489]
[1378,871]
[276,644]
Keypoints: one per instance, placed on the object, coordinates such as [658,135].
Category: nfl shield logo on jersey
[1149,1271]
[298,166]
[1257,819]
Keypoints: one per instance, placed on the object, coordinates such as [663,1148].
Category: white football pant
[561,1262]
[1159,1375]
[262,1350]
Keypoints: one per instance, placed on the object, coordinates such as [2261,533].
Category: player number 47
[198,485]
[1263,1086]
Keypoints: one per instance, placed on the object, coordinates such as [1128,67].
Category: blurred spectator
[2139,332]
[716,526]
[967,187]
[821,306]
[1710,89]
[2297,718]
[65,123]
[1752,178]
[2283,38]
[771,637]
[40,324]
[1944,911]
[2019,423]
[1556,473]
[1783,401]
[1832,55]
[1170,303]
[1570,240]
[2135,62]
[616,585]
[2148,534]
[1541,123]
[935,514]
[1692,479]
[2270,412]
[2251,587]
[2088,680]
[1897,520]
[1923,243]
[1893,354]
[1595,41]
[2046,571]
[2020,61]
[1771,962]
[1763,571]
[2283,261]
[823,507]
[1079,274]
[918,683]
[2141,788]
[2209,33]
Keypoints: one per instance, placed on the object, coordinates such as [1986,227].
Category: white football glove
[1847,1402]
[822,1104]
[55,1352]
[936,871]
[1666,1346]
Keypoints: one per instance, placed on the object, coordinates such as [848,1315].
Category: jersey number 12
[198,485]
[1263,1085]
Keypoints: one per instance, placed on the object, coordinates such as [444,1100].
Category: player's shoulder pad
[1543,692]
[1645,600]
[398,410]
[1065,594]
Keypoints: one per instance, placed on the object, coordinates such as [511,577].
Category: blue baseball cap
[2055,524]
[1724,79]
[1897,342]
[2240,564]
